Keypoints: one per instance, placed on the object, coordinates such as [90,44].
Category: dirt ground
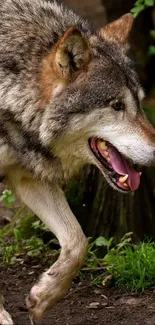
[83,304]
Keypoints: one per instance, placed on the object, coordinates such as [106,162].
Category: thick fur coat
[69,96]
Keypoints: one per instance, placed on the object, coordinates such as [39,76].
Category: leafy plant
[39,225]
[93,259]
[152,48]
[140,5]
[8,198]
[129,266]
[96,263]
[20,248]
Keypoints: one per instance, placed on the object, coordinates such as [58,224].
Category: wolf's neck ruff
[120,172]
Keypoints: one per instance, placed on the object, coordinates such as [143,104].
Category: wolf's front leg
[5,318]
[51,206]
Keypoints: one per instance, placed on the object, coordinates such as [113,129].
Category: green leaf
[36,242]
[136,10]
[17,235]
[137,3]
[2,197]
[152,33]
[110,242]
[36,224]
[152,50]
[149,3]
[7,192]
[53,241]
[101,241]
[34,253]
[11,199]
[127,235]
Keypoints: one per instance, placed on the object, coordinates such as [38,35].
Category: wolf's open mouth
[121,174]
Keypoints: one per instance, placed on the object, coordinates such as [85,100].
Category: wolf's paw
[40,300]
[45,294]
[5,318]
[38,304]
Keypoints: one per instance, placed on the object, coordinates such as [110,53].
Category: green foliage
[129,266]
[140,5]
[38,225]
[8,198]
[94,248]
[152,50]
[133,268]
[20,249]
[25,237]
[94,261]
[101,241]
[152,33]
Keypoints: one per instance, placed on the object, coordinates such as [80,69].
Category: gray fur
[28,31]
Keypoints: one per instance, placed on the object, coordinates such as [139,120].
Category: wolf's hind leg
[51,206]
[5,318]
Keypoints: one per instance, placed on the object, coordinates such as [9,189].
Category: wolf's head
[96,115]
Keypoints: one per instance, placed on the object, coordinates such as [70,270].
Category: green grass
[131,267]
[134,267]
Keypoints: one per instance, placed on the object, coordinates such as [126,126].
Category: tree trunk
[103,211]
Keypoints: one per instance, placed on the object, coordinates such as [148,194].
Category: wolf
[69,96]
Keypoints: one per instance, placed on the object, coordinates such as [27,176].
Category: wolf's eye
[118,106]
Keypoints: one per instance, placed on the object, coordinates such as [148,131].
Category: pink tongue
[121,166]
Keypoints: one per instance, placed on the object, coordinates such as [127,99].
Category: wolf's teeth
[103,145]
[123,179]
[140,173]
[125,184]
[106,153]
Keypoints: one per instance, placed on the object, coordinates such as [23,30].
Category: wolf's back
[28,30]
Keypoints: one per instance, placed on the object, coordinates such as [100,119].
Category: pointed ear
[118,30]
[71,53]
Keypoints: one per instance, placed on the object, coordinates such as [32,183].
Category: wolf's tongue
[122,167]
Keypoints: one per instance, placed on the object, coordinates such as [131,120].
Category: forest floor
[83,304]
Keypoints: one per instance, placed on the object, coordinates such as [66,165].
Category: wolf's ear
[119,29]
[71,53]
